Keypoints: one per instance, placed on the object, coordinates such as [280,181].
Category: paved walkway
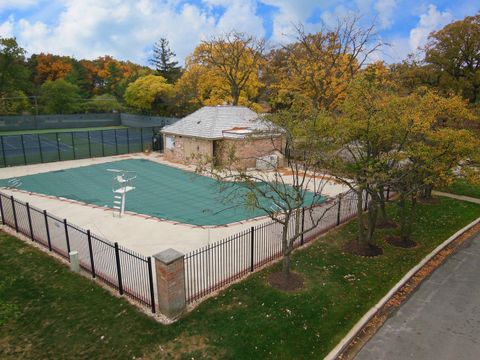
[441,320]
[458,197]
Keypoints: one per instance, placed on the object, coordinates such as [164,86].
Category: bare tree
[286,194]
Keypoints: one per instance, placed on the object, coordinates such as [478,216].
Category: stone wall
[185,147]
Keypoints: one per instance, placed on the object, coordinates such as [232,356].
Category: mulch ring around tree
[399,242]
[280,281]
[362,249]
[386,225]
[429,201]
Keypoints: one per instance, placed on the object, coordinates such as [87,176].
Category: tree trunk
[406,236]
[403,216]
[372,219]
[235,95]
[286,265]
[286,248]
[362,238]
[383,209]
[427,192]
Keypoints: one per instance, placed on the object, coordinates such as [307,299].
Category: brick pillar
[169,269]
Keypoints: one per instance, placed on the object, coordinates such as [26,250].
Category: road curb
[366,318]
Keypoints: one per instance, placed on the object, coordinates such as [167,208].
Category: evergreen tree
[163,61]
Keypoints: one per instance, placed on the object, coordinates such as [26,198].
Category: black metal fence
[216,265]
[57,146]
[120,268]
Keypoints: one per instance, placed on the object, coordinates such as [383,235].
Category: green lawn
[462,187]
[49,131]
[48,312]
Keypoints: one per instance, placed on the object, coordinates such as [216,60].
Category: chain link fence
[71,145]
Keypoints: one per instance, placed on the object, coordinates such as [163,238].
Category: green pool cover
[161,191]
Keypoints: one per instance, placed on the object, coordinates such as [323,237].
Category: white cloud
[127,29]
[6,28]
[290,14]
[16,4]
[385,9]
[430,21]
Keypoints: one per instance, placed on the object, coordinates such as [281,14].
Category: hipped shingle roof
[210,122]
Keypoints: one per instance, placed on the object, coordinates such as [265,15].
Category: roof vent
[199,121]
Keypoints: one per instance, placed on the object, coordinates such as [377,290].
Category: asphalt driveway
[441,320]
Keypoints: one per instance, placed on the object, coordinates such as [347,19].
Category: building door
[157,142]
[216,152]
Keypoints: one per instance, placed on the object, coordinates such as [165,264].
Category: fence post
[119,270]
[339,209]
[92,264]
[116,141]
[23,150]
[40,148]
[48,230]
[58,147]
[89,145]
[103,144]
[170,272]
[128,141]
[14,213]
[67,237]
[1,209]
[302,238]
[73,146]
[3,152]
[150,279]
[141,137]
[30,221]
[252,245]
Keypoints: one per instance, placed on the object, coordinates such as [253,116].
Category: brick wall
[185,147]
[249,150]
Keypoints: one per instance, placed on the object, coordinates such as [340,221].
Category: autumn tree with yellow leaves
[382,138]
[224,69]
[315,70]
[149,94]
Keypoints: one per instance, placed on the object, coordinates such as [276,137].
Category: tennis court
[47,146]
[161,191]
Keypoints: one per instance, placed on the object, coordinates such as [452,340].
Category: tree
[279,194]
[15,103]
[50,67]
[60,97]
[432,151]
[150,93]
[103,103]
[454,53]
[364,135]
[412,73]
[316,69]
[234,60]
[80,76]
[163,61]
[13,71]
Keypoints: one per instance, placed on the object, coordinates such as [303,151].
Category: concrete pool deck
[143,234]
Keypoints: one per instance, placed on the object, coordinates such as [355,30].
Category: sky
[127,29]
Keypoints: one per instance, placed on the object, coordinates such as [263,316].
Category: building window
[169,142]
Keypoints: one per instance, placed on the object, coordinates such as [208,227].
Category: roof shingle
[209,122]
